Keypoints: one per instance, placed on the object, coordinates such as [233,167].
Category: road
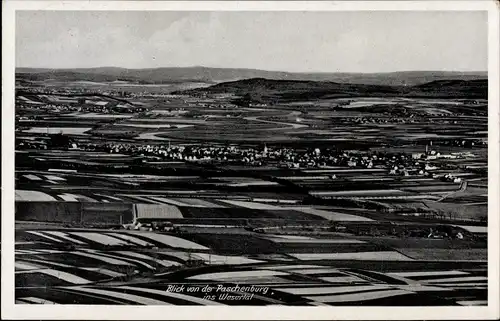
[152,136]
[463,187]
[291,125]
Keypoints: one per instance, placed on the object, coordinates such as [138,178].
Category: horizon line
[257,69]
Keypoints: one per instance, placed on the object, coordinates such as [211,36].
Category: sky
[369,41]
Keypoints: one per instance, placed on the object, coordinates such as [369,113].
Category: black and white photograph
[304,158]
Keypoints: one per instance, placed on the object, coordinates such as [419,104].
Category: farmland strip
[146,257]
[426,273]
[371,256]
[143,199]
[287,267]
[26,252]
[146,265]
[99,238]
[32,177]
[332,216]
[171,241]
[329,289]
[314,271]
[358,296]
[36,300]
[322,241]
[173,295]
[64,236]
[421,288]
[121,295]
[473,302]
[54,178]
[27,195]
[225,259]
[44,251]
[71,278]
[26,266]
[290,237]
[202,203]
[343,279]
[463,279]
[252,205]
[69,197]
[236,274]
[464,285]
[130,238]
[157,211]
[102,258]
[44,236]
[171,201]
[96,269]
[109,196]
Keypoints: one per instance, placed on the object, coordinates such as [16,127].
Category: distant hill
[268,90]
[217,75]
[474,88]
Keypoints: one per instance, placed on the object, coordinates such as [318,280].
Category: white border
[80,312]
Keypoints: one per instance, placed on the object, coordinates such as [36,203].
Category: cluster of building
[50,107]
[57,90]
[212,105]
[431,155]
[466,143]
[400,164]
[411,119]
[148,94]
[102,107]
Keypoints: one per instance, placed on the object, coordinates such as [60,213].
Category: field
[321,193]
[74,276]
[57,130]
[286,123]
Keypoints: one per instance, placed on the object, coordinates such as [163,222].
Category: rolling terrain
[262,90]
[316,191]
[216,75]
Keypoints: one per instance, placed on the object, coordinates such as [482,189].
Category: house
[417,155]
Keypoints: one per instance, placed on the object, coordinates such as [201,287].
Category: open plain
[323,193]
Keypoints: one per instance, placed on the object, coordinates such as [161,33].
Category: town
[311,186]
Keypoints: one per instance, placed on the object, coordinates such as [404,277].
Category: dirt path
[291,125]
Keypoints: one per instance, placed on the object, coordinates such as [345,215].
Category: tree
[60,140]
